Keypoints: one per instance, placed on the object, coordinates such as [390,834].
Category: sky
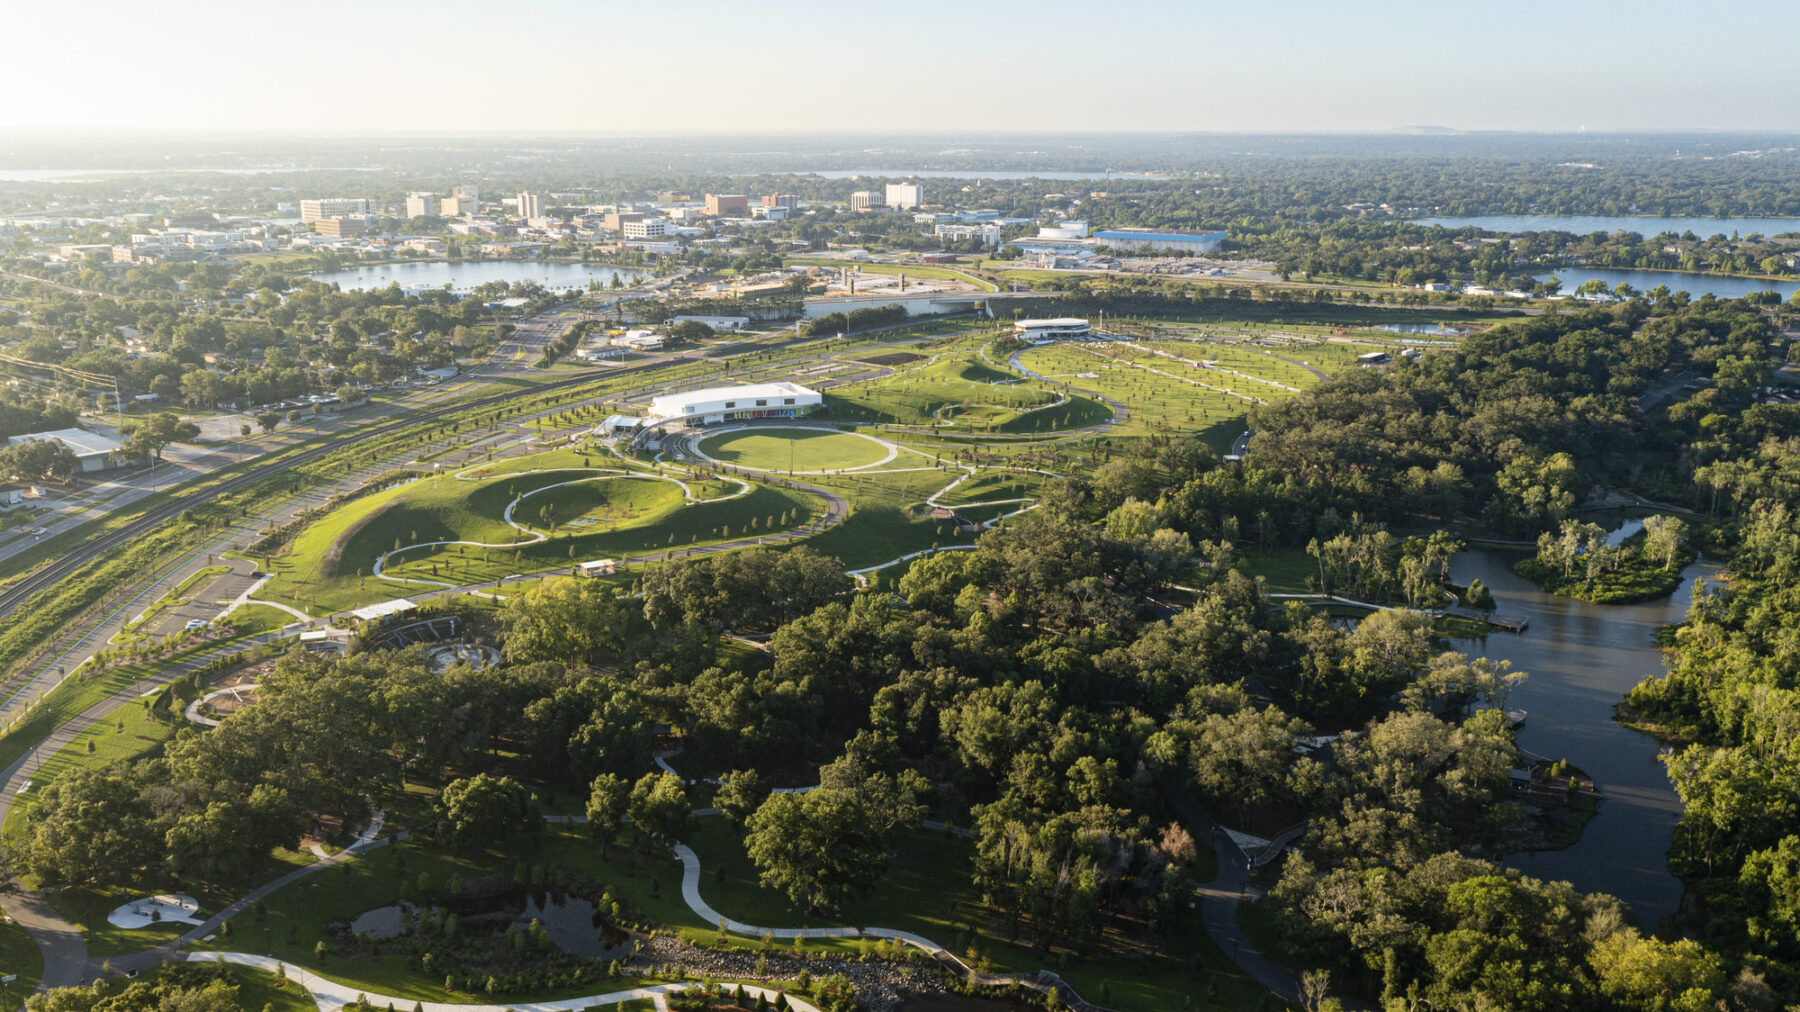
[699,66]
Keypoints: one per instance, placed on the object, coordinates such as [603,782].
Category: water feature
[1582,658]
[380,923]
[1587,224]
[573,924]
[1695,285]
[464,275]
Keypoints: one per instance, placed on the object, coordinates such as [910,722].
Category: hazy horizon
[556,68]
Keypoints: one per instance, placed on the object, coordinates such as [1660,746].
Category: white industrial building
[987,232]
[717,323]
[1044,331]
[730,404]
[93,451]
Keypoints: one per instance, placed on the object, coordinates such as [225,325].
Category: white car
[198,623]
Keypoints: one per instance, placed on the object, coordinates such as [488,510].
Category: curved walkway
[329,994]
[196,717]
[59,942]
[535,536]
[1219,900]
[1043,980]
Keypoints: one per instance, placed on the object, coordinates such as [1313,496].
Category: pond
[1587,224]
[464,275]
[1582,658]
[573,924]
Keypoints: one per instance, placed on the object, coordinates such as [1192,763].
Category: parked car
[197,623]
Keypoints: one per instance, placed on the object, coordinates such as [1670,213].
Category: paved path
[1043,980]
[329,994]
[61,943]
[1219,901]
[171,950]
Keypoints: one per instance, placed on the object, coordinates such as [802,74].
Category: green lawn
[777,449]
[959,390]
[690,526]
[329,566]
[18,954]
[1284,570]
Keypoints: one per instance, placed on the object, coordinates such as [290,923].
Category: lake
[1695,285]
[1582,658]
[464,275]
[1584,224]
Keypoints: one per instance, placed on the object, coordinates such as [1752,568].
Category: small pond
[573,924]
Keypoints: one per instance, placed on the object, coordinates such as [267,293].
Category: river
[1695,285]
[464,275]
[1587,224]
[1582,658]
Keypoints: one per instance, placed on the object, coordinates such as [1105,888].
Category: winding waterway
[1582,658]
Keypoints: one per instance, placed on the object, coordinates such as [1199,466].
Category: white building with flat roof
[733,404]
[332,207]
[1059,328]
[988,233]
[95,452]
[904,196]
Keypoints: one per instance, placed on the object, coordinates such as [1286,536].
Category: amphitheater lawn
[774,449]
[329,566]
[690,526]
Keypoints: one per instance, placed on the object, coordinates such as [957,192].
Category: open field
[798,449]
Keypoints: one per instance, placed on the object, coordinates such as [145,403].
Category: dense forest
[1054,690]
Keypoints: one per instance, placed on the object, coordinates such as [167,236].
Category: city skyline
[701,67]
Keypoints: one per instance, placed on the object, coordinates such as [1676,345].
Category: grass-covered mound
[958,389]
